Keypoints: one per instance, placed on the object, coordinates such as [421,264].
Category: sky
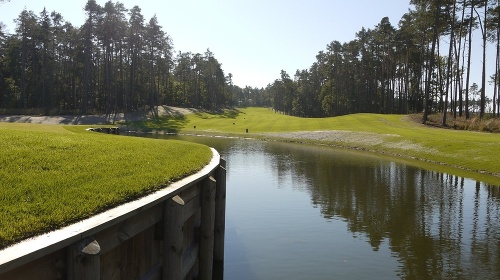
[253,40]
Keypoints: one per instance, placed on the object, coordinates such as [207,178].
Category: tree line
[115,62]
[423,65]
[119,62]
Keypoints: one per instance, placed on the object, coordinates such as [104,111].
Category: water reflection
[438,225]
[413,223]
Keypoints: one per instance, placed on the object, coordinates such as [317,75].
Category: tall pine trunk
[431,64]
[495,80]
[483,78]
[467,80]
[450,62]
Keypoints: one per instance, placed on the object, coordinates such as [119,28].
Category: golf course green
[53,175]
[467,153]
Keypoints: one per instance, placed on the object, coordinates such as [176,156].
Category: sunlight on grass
[400,136]
[395,135]
[262,120]
[51,176]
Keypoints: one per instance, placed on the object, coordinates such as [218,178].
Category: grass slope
[465,150]
[52,175]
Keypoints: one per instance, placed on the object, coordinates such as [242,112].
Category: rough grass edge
[489,123]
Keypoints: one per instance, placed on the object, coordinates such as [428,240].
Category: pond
[309,212]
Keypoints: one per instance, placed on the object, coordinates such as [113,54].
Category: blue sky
[253,40]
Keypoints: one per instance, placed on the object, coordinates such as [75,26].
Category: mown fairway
[52,175]
[473,151]
[262,120]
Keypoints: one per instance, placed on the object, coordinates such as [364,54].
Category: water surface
[307,212]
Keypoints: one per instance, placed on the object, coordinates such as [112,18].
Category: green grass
[262,120]
[447,150]
[52,175]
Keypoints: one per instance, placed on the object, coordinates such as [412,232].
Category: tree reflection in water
[439,225]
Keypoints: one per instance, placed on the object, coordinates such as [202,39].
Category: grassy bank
[466,153]
[53,175]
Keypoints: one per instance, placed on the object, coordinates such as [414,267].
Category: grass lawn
[470,154]
[53,175]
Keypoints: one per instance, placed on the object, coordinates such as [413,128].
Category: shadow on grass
[169,124]
[221,113]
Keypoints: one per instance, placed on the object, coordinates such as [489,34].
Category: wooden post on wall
[207,228]
[173,240]
[84,260]
[220,220]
